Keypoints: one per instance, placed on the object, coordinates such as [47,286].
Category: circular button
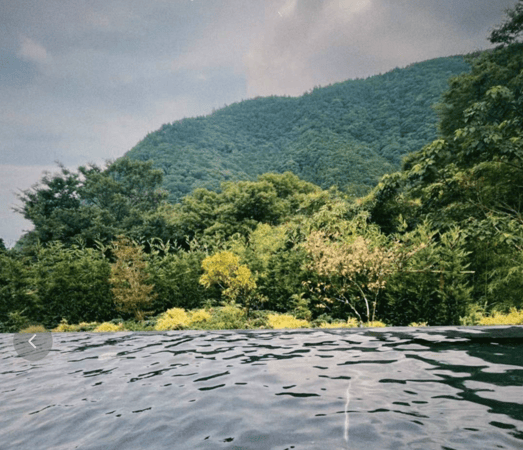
[33,346]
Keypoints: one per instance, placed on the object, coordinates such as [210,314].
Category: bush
[258,320]
[34,329]
[432,286]
[228,317]
[108,327]
[176,281]
[514,317]
[73,284]
[64,327]
[15,321]
[199,316]
[374,324]
[421,324]
[133,325]
[172,319]
[18,300]
[236,280]
[280,321]
[352,322]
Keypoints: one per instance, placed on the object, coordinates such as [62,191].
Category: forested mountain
[347,134]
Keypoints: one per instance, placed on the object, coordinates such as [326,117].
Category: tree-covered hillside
[348,134]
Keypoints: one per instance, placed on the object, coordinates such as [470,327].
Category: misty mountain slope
[347,134]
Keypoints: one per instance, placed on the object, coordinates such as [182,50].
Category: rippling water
[396,388]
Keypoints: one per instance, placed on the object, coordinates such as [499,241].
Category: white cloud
[32,51]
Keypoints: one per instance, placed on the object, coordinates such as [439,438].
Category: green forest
[350,206]
[346,135]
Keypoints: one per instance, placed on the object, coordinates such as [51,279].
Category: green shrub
[73,284]
[228,317]
[15,321]
[145,325]
[176,281]
[258,320]
[432,286]
[351,322]
[19,301]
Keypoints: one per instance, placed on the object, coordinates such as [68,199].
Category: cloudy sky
[85,80]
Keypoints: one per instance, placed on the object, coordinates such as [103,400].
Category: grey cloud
[323,42]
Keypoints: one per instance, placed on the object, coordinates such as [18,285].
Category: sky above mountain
[84,81]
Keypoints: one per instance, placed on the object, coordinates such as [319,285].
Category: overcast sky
[85,80]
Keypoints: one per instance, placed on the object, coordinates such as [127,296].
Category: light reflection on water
[434,388]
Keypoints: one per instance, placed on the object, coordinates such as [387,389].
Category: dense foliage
[92,203]
[471,177]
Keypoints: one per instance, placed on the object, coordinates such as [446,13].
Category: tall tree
[93,203]
[509,30]
[472,175]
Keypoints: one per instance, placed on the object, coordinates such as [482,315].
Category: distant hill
[347,134]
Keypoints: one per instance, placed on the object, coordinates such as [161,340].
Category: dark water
[396,388]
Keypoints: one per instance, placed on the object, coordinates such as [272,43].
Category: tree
[131,290]
[508,32]
[71,283]
[471,176]
[235,279]
[354,272]
[93,203]
[240,207]
[17,293]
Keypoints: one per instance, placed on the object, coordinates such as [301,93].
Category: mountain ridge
[346,134]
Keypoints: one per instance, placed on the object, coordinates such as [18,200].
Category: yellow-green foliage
[415,324]
[83,326]
[34,329]
[374,324]
[172,319]
[265,240]
[515,317]
[109,327]
[225,270]
[278,321]
[131,291]
[362,264]
[352,322]
[198,316]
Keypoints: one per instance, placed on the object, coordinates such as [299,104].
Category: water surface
[396,388]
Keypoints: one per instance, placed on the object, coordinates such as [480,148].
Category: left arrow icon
[33,346]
